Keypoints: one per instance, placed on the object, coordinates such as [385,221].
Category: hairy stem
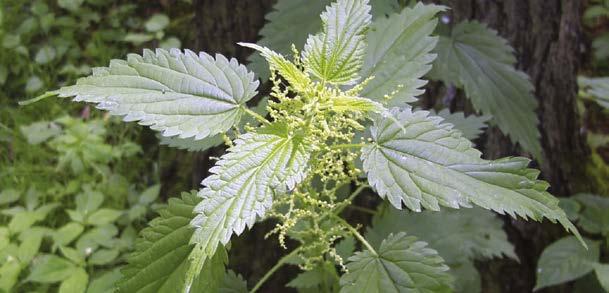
[257,116]
[351,197]
[357,235]
[278,265]
[348,146]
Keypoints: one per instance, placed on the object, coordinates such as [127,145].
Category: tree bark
[546,37]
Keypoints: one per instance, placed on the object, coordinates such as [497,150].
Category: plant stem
[351,197]
[278,265]
[363,209]
[357,235]
[348,146]
[257,116]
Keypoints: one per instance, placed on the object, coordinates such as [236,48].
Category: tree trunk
[546,36]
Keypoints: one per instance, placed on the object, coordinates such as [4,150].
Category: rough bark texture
[546,36]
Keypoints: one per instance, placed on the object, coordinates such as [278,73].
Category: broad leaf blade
[419,161]
[178,93]
[243,183]
[399,54]
[475,58]
[565,260]
[471,126]
[404,264]
[335,55]
[160,261]
[459,236]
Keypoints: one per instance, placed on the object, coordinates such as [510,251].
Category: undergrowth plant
[565,260]
[338,117]
[69,213]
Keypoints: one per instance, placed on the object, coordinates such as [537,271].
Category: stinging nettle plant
[337,116]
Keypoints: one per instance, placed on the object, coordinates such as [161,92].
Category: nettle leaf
[291,22]
[345,247]
[403,264]
[382,8]
[475,58]
[298,79]
[335,55]
[457,235]
[594,218]
[190,144]
[178,93]
[322,278]
[421,162]
[242,186]
[199,145]
[471,126]
[233,283]
[596,89]
[160,261]
[399,54]
[566,260]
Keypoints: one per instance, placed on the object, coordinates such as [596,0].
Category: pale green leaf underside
[404,264]
[421,162]
[471,126]
[335,55]
[459,236]
[475,58]
[243,183]
[596,89]
[399,54]
[190,144]
[565,260]
[160,261]
[178,93]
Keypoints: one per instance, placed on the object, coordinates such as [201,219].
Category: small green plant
[337,118]
[69,226]
[565,260]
